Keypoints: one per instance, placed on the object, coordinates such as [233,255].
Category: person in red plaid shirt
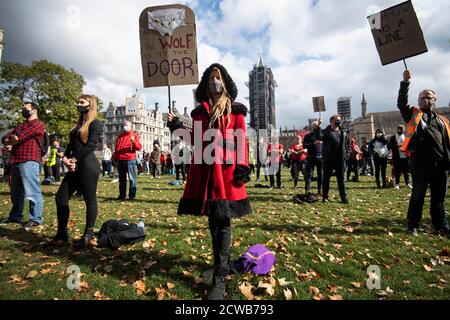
[25,162]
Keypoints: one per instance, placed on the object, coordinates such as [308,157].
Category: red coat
[211,188]
[125,148]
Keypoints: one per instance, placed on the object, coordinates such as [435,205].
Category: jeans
[156,171]
[124,167]
[297,167]
[25,185]
[424,175]
[367,165]
[146,166]
[106,167]
[311,163]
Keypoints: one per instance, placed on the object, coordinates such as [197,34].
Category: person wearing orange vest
[427,140]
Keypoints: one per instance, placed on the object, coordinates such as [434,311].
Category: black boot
[218,288]
[221,239]
[61,237]
[85,240]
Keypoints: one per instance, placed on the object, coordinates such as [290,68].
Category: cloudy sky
[314,47]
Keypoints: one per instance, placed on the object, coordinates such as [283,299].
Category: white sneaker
[409,185]
[115,181]
[397,187]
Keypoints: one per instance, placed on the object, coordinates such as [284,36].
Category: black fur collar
[236,108]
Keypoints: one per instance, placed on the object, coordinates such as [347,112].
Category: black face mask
[399,133]
[26,113]
[82,109]
[338,123]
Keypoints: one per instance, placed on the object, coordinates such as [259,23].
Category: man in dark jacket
[428,142]
[336,151]
[313,143]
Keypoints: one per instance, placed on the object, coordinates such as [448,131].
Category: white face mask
[126,128]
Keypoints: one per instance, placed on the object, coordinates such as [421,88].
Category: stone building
[147,123]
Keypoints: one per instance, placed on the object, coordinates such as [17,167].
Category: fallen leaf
[98,295]
[428,268]
[283,283]
[268,287]
[246,289]
[170,285]
[149,263]
[140,287]
[32,274]
[84,286]
[287,294]
[335,297]
[45,271]
[356,284]
[314,290]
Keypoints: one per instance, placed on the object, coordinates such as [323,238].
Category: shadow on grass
[137,200]
[163,189]
[125,265]
[372,227]
[44,193]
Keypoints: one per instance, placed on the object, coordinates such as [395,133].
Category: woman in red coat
[216,188]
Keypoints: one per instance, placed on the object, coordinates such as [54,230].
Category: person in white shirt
[106,160]
[399,158]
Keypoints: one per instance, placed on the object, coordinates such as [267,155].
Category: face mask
[126,128]
[337,123]
[399,133]
[82,109]
[26,113]
[216,86]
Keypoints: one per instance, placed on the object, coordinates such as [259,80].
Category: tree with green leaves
[50,85]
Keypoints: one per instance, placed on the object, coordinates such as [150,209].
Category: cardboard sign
[319,104]
[397,33]
[168,46]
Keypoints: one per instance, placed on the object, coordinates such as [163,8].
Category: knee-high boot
[221,239]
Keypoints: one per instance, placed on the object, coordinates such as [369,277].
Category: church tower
[364,106]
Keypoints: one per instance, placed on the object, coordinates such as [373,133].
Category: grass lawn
[323,250]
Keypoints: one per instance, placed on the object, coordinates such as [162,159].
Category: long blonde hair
[222,106]
[91,116]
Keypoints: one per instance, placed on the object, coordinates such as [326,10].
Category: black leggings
[86,176]
[178,168]
[352,166]
[380,165]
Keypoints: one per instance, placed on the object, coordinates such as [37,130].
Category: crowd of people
[421,149]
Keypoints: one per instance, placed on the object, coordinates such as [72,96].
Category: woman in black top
[84,171]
